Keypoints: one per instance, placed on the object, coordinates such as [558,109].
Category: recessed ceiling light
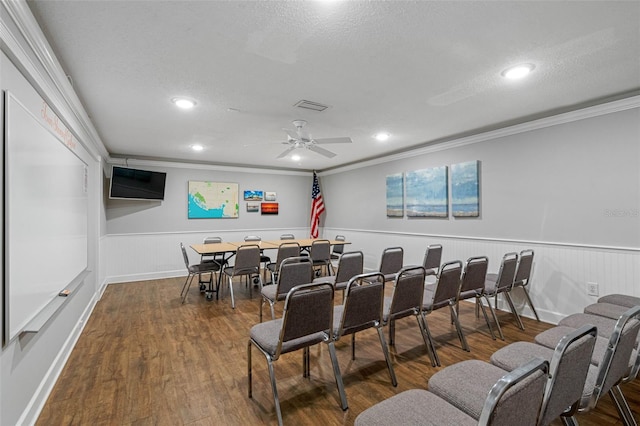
[518,71]
[197,147]
[183,103]
[382,136]
[295,157]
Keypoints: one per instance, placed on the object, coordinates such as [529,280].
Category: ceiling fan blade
[321,151]
[333,140]
[286,152]
[292,134]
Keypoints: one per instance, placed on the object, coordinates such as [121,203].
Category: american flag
[317,206]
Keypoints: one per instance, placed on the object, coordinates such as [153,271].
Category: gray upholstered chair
[620,299]
[264,259]
[193,270]
[287,237]
[338,249]
[569,365]
[443,294]
[493,405]
[350,264]
[285,250]
[607,310]
[613,363]
[405,301]
[500,283]
[306,321]
[467,384]
[361,310]
[293,271]
[523,279]
[247,264]
[472,286]
[432,259]
[320,253]
[391,262]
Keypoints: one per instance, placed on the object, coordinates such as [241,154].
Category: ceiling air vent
[311,105]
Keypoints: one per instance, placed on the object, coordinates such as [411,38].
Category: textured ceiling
[423,71]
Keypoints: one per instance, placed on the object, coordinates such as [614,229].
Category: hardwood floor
[146,359]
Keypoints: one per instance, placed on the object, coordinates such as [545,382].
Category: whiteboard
[46,216]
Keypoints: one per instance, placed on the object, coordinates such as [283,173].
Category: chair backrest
[408,291]
[185,256]
[473,277]
[212,240]
[432,257]
[351,264]
[363,303]
[287,237]
[308,310]
[507,272]
[339,248]
[523,272]
[247,260]
[568,371]
[521,405]
[447,285]
[320,250]
[294,271]
[615,363]
[286,250]
[252,238]
[392,260]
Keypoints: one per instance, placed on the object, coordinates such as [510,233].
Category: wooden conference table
[229,249]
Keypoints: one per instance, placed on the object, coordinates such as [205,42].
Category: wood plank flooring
[146,359]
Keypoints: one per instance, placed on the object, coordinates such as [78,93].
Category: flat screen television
[136,184]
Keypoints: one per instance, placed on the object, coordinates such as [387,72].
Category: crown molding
[30,51]
[567,117]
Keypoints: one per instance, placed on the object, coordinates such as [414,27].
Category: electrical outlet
[592,289]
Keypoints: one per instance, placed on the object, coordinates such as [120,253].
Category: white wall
[30,364]
[143,236]
[570,191]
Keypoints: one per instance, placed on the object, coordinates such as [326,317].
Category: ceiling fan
[302,139]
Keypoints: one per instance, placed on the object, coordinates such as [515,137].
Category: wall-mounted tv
[136,184]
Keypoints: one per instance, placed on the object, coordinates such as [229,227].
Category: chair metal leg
[456,321]
[495,318]
[249,368]
[353,346]
[513,310]
[480,305]
[385,351]
[233,302]
[273,313]
[569,421]
[338,376]
[275,390]
[392,332]
[624,411]
[526,294]
[185,287]
[428,340]
[306,369]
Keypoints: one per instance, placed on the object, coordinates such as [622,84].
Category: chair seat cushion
[515,354]
[620,299]
[413,407]
[551,337]
[605,325]
[267,334]
[606,310]
[466,384]
[269,292]
[204,267]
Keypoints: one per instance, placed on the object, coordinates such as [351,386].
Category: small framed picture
[269,208]
[253,207]
[269,196]
[253,195]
